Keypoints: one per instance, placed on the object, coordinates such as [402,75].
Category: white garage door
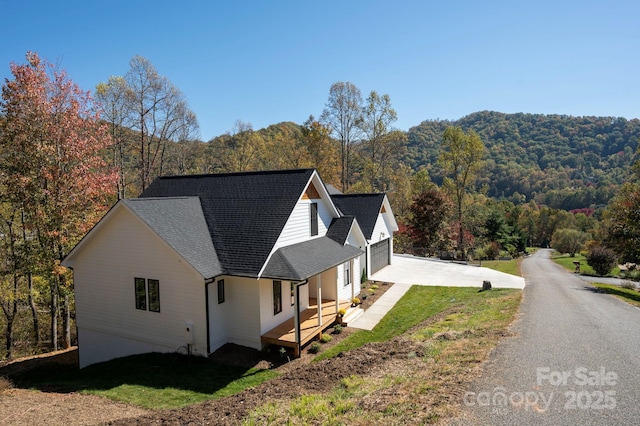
[379,255]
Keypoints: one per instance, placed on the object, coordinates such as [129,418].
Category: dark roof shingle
[303,260]
[180,223]
[365,208]
[245,212]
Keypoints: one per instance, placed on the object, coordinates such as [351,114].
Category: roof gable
[365,208]
[244,212]
[181,224]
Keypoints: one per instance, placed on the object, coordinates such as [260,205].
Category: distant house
[248,258]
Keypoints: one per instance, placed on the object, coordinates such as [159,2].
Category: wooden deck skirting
[285,333]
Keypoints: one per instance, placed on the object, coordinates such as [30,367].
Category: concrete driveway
[405,269]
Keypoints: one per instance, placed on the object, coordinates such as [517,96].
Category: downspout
[206,301]
[296,319]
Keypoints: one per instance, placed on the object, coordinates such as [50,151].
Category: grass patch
[416,306]
[507,266]
[153,381]
[416,390]
[627,294]
[566,262]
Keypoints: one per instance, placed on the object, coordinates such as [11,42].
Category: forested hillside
[562,161]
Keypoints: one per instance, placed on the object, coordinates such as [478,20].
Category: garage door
[379,255]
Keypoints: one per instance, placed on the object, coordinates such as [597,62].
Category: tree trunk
[10,313]
[67,322]
[54,314]
[32,303]
[34,311]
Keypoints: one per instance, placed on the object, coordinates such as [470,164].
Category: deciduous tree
[51,142]
[382,144]
[460,157]
[569,241]
[155,109]
[343,115]
[429,216]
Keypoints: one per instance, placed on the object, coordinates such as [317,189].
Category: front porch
[285,333]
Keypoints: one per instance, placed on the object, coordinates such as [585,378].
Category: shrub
[326,338]
[628,285]
[375,286]
[491,250]
[602,259]
[337,329]
[314,348]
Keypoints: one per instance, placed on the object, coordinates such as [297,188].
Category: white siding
[237,320]
[380,228]
[104,272]
[329,284]
[267,318]
[298,226]
[352,290]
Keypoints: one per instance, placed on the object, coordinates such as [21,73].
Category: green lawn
[153,381]
[457,327]
[628,295]
[417,305]
[566,262]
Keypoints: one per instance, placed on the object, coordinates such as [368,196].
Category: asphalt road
[574,358]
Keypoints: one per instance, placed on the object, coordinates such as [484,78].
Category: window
[147,293]
[347,274]
[314,219]
[220,291]
[277,297]
[154,295]
[141,294]
[293,293]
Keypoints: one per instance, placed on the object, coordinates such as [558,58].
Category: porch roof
[300,261]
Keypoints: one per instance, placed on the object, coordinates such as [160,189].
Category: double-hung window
[347,273]
[147,294]
[220,291]
[277,297]
[314,219]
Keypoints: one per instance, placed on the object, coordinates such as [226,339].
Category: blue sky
[265,62]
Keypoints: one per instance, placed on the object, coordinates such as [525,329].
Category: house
[247,258]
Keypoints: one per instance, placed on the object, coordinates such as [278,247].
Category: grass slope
[153,381]
[452,329]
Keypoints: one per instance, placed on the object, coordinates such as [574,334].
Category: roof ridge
[254,172]
[172,197]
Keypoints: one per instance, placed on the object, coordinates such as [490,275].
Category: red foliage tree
[430,213]
[51,167]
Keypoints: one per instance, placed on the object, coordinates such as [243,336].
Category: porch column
[337,290]
[319,297]
[352,279]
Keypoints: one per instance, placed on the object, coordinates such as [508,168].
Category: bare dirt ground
[31,407]
[300,376]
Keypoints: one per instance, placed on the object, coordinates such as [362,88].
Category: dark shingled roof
[245,212]
[303,260]
[180,223]
[339,229]
[365,207]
